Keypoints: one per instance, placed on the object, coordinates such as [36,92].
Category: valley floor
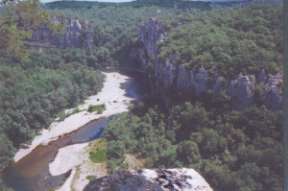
[114,95]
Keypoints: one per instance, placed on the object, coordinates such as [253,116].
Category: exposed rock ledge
[151,180]
[242,88]
[74,34]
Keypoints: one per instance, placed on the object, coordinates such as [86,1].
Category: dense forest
[234,40]
[33,92]
[35,86]
[115,28]
[233,149]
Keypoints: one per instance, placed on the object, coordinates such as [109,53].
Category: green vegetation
[135,4]
[17,22]
[63,114]
[91,178]
[115,30]
[233,150]
[35,85]
[234,40]
[32,94]
[98,152]
[96,108]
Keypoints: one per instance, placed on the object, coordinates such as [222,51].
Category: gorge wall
[73,34]
[243,89]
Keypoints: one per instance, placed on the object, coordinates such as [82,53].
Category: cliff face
[167,74]
[74,34]
[151,180]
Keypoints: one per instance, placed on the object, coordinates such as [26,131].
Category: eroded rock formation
[169,75]
[74,33]
[151,180]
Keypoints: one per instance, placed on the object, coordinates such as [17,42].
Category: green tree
[188,153]
[17,21]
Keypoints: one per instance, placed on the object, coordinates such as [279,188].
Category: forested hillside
[235,149]
[236,40]
[35,85]
[115,29]
[34,92]
[235,54]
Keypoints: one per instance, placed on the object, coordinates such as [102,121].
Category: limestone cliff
[241,88]
[151,180]
[74,33]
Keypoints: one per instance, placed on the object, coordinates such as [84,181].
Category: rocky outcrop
[74,33]
[242,89]
[151,33]
[151,180]
[273,91]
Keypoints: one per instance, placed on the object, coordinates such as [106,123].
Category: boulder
[151,180]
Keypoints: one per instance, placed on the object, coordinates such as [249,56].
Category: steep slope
[73,33]
[175,64]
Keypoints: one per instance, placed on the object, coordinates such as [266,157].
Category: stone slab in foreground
[151,180]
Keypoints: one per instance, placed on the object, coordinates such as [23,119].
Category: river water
[31,173]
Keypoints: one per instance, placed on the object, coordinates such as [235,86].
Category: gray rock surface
[74,34]
[242,89]
[151,180]
[151,33]
[171,75]
[273,91]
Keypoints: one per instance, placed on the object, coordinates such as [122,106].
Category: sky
[112,1]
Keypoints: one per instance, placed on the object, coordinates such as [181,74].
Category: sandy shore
[76,157]
[68,158]
[83,167]
[112,95]
[116,101]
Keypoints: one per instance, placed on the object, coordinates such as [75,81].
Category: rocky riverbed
[48,161]
[58,158]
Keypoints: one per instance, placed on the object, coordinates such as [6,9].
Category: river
[30,172]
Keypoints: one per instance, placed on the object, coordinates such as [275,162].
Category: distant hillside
[74,4]
[202,4]
[182,4]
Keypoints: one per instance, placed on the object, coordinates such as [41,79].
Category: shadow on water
[32,172]
[136,87]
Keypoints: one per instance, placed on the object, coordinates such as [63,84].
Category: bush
[98,152]
[99,109]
